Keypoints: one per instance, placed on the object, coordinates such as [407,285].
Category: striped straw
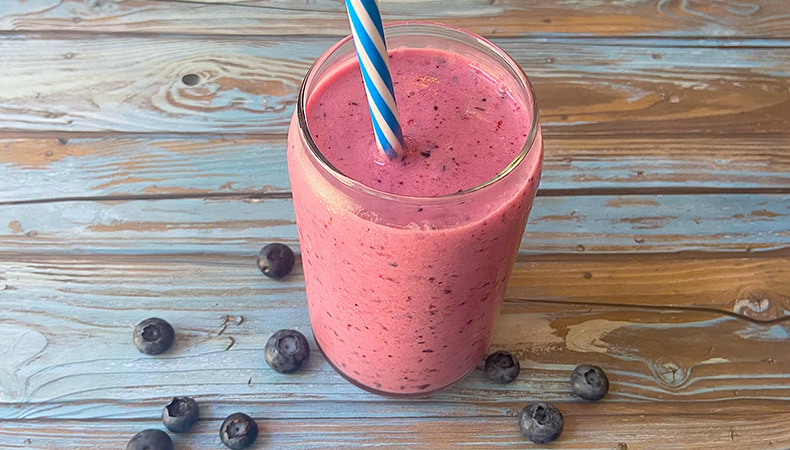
[372,52]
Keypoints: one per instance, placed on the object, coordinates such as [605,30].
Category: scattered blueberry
[153,336]
[502,367]
[150,440]
[541,422]
[238,431]
[276,260]
[589,382]
[287,351]
[180,414]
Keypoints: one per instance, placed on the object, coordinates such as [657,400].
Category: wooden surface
[658,248]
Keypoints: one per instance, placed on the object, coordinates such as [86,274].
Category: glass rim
[515,69]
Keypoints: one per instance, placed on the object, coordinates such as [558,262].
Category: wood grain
[225,310]
[188,166]
[585,429]
[753,18]
[248,86]
[563,224]
[140,166]
[756,286]
[753,286]
[701,372]
[658,247]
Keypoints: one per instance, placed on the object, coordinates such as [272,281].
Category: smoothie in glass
[406,261]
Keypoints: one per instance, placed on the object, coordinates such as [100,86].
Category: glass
[403,291]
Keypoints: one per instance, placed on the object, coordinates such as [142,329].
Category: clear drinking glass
[403,291]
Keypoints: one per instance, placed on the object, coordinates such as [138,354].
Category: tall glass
[403,291]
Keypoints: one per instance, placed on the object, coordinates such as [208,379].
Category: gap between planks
[6,134]
[663,308]
[569,409]
[761,18]
[582,192]
[653,41]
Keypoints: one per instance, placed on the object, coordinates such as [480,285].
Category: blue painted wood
[754,18]
[248,86]
[140,166]
[693,431]
[70,323]
[182,165]
[573,224]
[601,275]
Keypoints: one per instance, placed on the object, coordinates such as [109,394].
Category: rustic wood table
[142,167]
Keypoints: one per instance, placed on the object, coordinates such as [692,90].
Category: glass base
[388,394]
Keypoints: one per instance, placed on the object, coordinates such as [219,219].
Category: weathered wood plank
[128,166]
[756,286]
[142,166]
[671,114]
[585,428]
[248,86]
[564,224]
[69,325]
[717,380]
[755,18]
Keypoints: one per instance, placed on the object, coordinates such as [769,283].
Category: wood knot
[190,79]
[760,304]
[18,346]
[669,373]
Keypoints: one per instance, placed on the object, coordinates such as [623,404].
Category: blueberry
[180,414]
[502,367]
[287,351]
[541,422]
[238,431]
[276,260]
[589,382]
[153,336]
[150,440]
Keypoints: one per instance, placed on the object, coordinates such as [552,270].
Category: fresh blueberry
[287,351]
[150,440]
[238,431]
[589,382]
[502,367]
[180,414]
[276,260]
[541,422]
[153,336]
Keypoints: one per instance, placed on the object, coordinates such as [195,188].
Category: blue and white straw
[373,61]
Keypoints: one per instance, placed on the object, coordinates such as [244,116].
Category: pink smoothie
[410,309]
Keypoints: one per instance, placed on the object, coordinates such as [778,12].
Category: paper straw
[373,61]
